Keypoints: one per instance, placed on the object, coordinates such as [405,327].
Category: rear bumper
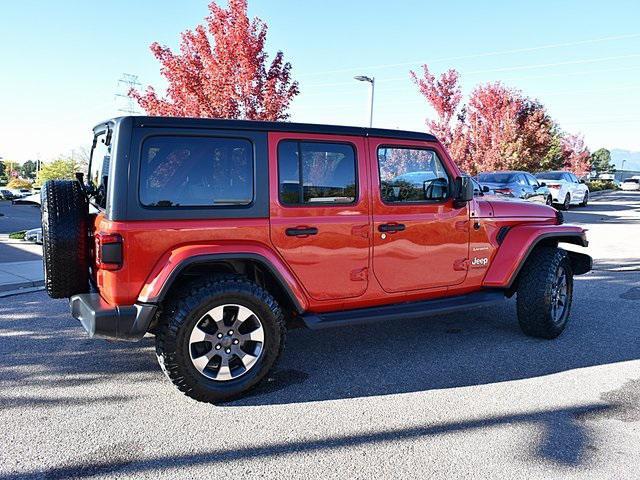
[103,320]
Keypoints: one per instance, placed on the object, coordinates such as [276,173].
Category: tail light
[108,251]
[503,191]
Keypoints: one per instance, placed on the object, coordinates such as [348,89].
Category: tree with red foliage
[221,71]
[575,154]
[506,129]
[498,129]
[444,95]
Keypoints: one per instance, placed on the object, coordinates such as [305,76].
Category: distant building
[619,175]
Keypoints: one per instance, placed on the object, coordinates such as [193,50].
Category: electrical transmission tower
[126,82]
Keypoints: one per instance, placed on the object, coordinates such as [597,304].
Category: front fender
[172,263]
[518,244]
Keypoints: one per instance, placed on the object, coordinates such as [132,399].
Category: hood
[509,208]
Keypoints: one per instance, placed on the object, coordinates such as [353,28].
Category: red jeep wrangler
[218,235]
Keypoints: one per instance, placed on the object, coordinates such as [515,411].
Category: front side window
[184,171]
[411,175]
[316,173]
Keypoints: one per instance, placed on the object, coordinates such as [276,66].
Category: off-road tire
[534,293]
[65,238]
[182,312]
[585,200]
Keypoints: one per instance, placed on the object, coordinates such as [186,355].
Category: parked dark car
[6,194]
[516,184]
[481,191]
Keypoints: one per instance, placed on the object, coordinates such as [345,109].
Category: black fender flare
[225,257]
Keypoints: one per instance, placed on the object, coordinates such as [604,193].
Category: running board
[426,308]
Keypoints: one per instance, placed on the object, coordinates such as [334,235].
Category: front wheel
[219,338]
[545,292]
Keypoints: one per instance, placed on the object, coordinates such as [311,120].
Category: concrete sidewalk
[18,277]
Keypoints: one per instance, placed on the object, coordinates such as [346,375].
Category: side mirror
[485,189]
[542,184]
[464,191]
[582,180]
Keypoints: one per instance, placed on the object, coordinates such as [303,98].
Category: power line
[349,106]
[528,77]
[127,81]
[480,55]
[502,69]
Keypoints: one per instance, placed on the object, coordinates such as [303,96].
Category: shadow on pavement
[611,209]
[566,441]
[473,348]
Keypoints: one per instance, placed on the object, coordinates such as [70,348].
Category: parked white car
[630,184]
[565,188]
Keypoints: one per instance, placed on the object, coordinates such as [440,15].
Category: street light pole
[622,167]
[372,81]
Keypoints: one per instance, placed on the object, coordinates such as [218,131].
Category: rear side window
[182,171]
[496,177]
[316,173]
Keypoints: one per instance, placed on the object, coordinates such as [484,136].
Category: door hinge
[462,226]
[461,264]
[361,230]
[360,274]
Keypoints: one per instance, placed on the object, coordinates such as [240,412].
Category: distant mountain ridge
[632,159]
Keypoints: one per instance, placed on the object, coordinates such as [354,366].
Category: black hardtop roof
[213,123]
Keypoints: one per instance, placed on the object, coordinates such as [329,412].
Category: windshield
[496,177]
[99,167]
[550,175]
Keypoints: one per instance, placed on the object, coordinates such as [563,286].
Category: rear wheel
[545,292]
[585,200]
[567,203]
[219,338]
[549,201]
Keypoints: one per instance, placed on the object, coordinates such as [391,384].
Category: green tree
[60,169]
[601,160]
[553,159]
[3,174]
[28,169]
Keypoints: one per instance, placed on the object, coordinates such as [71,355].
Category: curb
[600,193]
[18,288]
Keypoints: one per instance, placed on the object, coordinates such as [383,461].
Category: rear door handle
[301,231]
[391,227]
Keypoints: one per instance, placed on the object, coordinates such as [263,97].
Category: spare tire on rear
[65,238]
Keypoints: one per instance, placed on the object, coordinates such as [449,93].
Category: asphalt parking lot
[464,395]
[18,217]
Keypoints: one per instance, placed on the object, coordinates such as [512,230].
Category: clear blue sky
[60,61]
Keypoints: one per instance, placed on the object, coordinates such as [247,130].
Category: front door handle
[391,227]
[301,231]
